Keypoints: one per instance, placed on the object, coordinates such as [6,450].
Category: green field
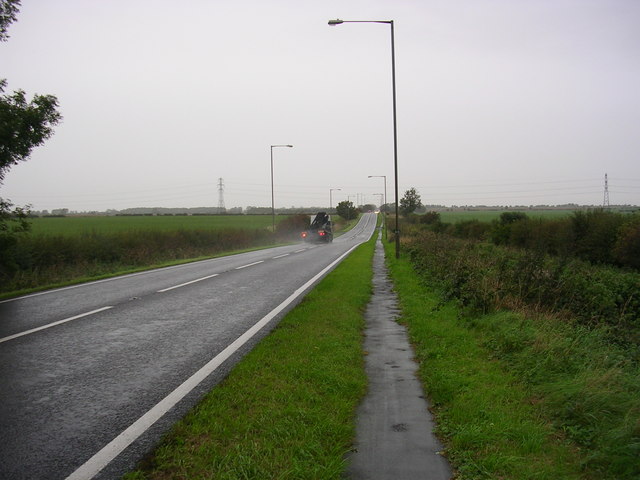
[72,226]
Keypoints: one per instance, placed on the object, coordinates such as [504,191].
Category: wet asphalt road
[124,344]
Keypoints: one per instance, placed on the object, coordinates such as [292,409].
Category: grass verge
[287,410]
[492,425]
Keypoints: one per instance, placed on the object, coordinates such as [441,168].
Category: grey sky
[500,102]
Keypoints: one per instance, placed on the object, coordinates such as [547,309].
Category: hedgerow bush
[34,260]
[484,277]
[598,236]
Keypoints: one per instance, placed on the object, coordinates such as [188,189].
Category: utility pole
[605,204]
[221,207]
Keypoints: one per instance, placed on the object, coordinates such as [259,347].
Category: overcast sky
[499,102]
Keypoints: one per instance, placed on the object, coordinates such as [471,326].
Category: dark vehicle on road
[319,230]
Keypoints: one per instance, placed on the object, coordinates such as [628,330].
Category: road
[92,375]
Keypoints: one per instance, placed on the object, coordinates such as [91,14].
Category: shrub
[627,247]
[483,277]
[40,259]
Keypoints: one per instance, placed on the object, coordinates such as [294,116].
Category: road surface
[92,375]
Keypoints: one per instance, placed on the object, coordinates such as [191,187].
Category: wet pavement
[394,433]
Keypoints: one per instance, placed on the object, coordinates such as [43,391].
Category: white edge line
[187,283]
[59,322]
[95,282]
[110,279]
[249,265]
[110,451]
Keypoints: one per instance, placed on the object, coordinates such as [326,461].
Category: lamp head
[335,22]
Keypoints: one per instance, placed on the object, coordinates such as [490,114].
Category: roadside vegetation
[531,356]
[37,253]
[287,409]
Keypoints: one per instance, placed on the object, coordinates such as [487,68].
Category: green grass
[113,224]
[491,425]
[287,410]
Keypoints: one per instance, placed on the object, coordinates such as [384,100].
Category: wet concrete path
[394,438]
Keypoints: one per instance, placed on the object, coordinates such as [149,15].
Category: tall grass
[37,260]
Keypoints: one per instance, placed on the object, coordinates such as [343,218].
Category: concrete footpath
[394,433]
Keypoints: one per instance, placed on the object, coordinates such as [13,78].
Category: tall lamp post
[331,190]
[395,129]
[384,214]
[273,209]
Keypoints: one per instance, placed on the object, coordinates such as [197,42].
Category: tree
[410,202]
[347,210]
[8,12]
[23,125]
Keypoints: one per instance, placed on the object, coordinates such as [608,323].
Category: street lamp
[273,209]
[331,190]
[384,214]
[395,130]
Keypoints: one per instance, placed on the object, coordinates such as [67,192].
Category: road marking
[188,283]
[59,322]
[249,265]
[280,256]
[110,451]
[301,250]
[111,279]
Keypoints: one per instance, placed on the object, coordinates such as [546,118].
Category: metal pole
[384,214]
[273,210]
[331,190]
[395,135]
[386,207]
[395,128]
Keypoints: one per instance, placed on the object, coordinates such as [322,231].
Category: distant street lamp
[384,214]
[331,190]
[273,209]
[395,129]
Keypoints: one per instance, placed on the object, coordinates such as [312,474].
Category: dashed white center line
[59,322]
[280,256]
[249,265]
[188,283]
[301,250]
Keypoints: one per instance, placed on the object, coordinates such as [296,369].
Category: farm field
[73,226]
